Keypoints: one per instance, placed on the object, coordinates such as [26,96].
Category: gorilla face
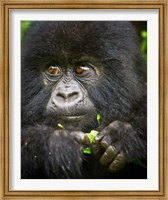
[69,102]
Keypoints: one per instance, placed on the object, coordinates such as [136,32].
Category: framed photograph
[83,99]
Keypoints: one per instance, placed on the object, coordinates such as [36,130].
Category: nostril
[62,95]
[67,96]
[73,95]
[59,98]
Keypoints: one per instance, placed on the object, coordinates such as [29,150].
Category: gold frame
[5,6]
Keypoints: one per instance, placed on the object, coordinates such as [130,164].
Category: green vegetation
[91,137]
[60,126]
[138,162]
[143,47]
[24,26]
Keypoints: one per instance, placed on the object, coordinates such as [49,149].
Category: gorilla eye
[54,70]
[81,69]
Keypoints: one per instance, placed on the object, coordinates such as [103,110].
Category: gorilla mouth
[71,117]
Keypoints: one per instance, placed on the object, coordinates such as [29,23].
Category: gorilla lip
[71,117]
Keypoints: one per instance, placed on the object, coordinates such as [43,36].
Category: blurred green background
[141,27]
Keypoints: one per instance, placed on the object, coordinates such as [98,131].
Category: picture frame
[6,7]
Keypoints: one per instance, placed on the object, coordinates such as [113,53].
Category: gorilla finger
[118,164]
[108,156]
[105,142]
[95,148]
[98,138]
[81,138]
[100,146]
[101,134]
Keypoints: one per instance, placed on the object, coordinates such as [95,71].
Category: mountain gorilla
[72,71]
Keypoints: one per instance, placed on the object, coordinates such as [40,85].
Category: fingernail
[99,137]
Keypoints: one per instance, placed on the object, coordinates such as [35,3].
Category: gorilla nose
[66,94]
[67,97]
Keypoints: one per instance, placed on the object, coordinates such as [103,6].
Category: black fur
[118,93]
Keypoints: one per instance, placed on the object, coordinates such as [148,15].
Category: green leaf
[87,150]
[138,162]
[60,126]
[98,117]
[91,137]
[143,34]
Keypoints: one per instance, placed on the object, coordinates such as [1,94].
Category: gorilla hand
[49,154]
[114,145]
[65,154]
